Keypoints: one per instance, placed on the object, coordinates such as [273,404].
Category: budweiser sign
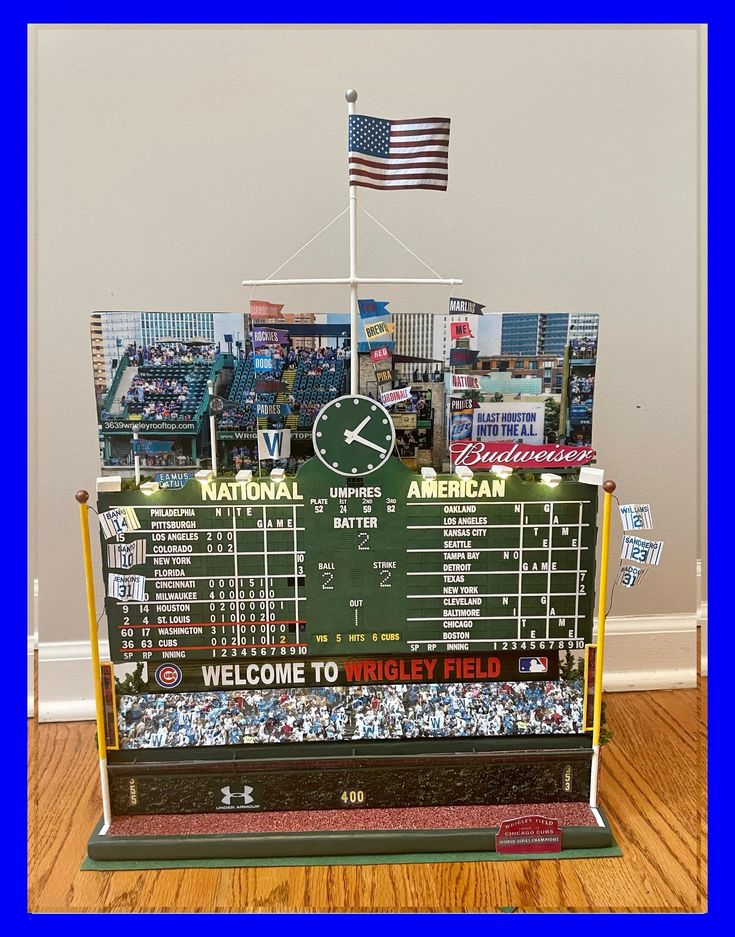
[483,455]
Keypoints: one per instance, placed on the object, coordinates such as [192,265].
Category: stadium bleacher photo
[152,372]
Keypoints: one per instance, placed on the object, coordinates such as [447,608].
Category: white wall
[169,164]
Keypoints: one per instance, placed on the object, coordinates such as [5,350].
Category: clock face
[354,435]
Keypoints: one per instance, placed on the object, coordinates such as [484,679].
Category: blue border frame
[15,106]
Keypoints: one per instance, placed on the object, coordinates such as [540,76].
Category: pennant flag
[118,521]
[630,576]
[218,404]
[262,336]
[462,405]
[465,382]
[460,330]
[380,354]
[261,311]
[274,443]
[272,409]
[269,385]
[398,154]
[128,588]
[384,375]
[636,516]
[149,446]
[464,307]
[459,357]
[401,394]
[262,363]
[642,551]
[378,329]
[126,555]
[369,308]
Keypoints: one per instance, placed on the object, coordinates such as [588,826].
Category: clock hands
[353,435]
[356,431]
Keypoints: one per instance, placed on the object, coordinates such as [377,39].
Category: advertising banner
[460,426]
[520,422]
[482,455]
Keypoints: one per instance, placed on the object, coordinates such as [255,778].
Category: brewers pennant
[398,154]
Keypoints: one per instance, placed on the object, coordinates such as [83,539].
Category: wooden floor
[652,787]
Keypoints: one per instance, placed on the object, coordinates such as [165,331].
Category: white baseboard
[29,676]
[702,622]
[652,652]
[65,691]
[656,652]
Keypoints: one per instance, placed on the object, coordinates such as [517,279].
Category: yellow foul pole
[83,497]
[608,488]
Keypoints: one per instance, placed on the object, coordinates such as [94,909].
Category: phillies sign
[483,455]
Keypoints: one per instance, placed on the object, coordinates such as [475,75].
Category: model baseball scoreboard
[355,636]
[386,563]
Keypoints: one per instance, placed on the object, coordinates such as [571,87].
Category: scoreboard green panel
[386,562]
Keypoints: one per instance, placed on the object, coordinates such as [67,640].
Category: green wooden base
[310,847]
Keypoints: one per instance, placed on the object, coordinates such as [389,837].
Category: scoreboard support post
[83,497]
[609,488]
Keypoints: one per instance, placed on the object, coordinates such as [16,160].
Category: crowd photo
[354,713]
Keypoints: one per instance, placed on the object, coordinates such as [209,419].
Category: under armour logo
[228,795]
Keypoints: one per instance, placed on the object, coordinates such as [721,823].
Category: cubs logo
[168,676]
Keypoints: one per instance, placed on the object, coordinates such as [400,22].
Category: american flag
[398,154]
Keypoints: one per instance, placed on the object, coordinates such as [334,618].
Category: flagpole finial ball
[351,96]
[609,486]
[82,496]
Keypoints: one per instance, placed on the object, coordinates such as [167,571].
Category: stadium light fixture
[502,471]
[463,471]
[591,476]
[244,475]
[204,475]
[109,483]
[278,474]
[550,479]
[428,473]
[149,488]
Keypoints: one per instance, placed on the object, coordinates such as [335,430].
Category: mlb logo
[533,664]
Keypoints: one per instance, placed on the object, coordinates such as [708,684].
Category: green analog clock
[354,435]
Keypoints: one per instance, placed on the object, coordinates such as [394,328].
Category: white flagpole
[136,458]
[212,427]
[351,97]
